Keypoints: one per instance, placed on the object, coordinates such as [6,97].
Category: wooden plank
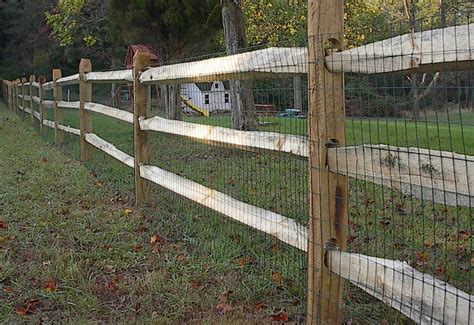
[48,86]
[267,63]
[35,99]
[69,105]
[433,50]
[293,144]
[328,191]
[441,177]
[58,112]
[41,95]
[110,111]
[141,110]
[35,84]
[32,107]
[118,76]
[278,226]
[110,149]
[37,115]
[68,81]
[49,104]
[23,90]
[85,95]
[49,124]
[69,129]
[419,296]
[26,98]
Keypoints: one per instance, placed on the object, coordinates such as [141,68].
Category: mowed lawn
[259,271]
[74,250]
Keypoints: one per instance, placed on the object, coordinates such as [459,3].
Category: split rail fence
[419,296]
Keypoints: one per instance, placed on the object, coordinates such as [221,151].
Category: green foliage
[63,21]
[282,23]
[175,28]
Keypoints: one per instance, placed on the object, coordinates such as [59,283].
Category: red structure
[132,49]
[123,94]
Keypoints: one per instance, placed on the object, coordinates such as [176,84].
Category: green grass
[66,225]
[382,222]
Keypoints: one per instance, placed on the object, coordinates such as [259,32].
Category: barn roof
[132,49]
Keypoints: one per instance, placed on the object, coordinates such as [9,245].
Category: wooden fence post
[17,91]
[328,191]
[23,93]
[58,112]
[141,109]
[13,96]
[9,91]
[85,96]
[41,81]
[32,106]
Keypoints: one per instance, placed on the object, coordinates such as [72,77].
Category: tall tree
[243,115]
[169,26]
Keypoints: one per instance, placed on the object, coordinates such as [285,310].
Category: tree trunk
[442,13]
[297,97]
[243,114]
[416,97]
[174,102]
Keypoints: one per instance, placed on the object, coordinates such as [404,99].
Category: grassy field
[259,271]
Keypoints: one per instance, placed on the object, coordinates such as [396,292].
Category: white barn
[210,96]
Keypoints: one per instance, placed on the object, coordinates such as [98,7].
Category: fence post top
[41,79]
[23,80]
[32,78]
[85,66]
[56,74]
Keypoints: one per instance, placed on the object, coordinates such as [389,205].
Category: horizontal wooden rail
[35,99]
[69,129]
[37,115]
[48,123]
[109,111]
[110,149]
[49,104]
[61,127]
[448,48]
[438,176]
[419,296]
[278,226]
[35,84]
[48,86]
[117,76]
[293,144]
[71,105]
[267,63]
[68,81]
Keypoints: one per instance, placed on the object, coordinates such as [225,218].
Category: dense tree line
[38,35]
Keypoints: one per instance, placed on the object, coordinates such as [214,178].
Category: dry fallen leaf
[50,286]
[7,289]
[137,248]
[223,308]
[281,317]
[155,239]
[193,284]
[3,225]
[276,278]
[127,211]
[421,259]
[259,306]
[28,308]
[112,285]
[244,260]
